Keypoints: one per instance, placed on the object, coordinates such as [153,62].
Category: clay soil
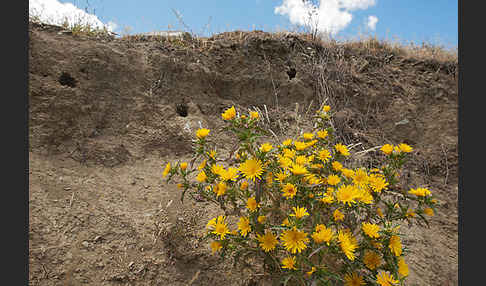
[106,114]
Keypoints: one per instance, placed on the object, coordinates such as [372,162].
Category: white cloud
[329,17]
[371,24]
[56,13]
[357,4]
[111,26]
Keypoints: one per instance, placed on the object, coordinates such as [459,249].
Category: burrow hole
[67,80]
[181,109]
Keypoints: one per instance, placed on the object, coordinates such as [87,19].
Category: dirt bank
[106,113]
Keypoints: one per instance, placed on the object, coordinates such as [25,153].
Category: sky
[408,21]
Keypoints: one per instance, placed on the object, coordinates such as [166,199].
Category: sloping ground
[106,114]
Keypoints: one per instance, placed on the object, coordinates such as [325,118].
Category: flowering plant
[308,217]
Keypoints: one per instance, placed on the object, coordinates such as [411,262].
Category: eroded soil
[105,116]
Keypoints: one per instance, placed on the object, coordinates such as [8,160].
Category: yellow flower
[379,212]
[327,199]
[289,153]
[324,155]
[229,175]
[353,279]
[281,176]
[299,212]
[289,190]
[309,273]
[348,173]
[268,241]
[395,245]
[212,223]
[201,177]
[387,149]
[244,185]
[202,165]
[252,168]
[405,148]
[261,219]
[346,194]
[301,160]
[311,143]
[410,213]
[286,222]
[220,189]
[215,246]
[202,133]
[212,154]
[229,113]
[333,180]
[217,169]
[377,245]
[421,192]
[402,267]
[338,215]
[341,149]
[326,108]
[266,147]
[251,204]
[371,259]
[289,263]
[385,279]
[284,162]
[287,142]
[429,211]
[220,227]
[166,170]
[371,229]
[336,165]
[364,196]
[348,244]
[396,149]
[254,114]
[294,240]
[183,166]
[244,226]
[323,235]
[322,134]
[297,169]
[360,177]
[377,182]
[320,227]
[308,136]
[299,146]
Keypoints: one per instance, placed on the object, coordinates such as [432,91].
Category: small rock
[130,264]
[85,244]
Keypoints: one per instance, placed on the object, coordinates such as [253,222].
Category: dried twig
[360,153]
[71,201]
[194,278]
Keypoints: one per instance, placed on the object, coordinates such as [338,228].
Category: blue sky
[417,21]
